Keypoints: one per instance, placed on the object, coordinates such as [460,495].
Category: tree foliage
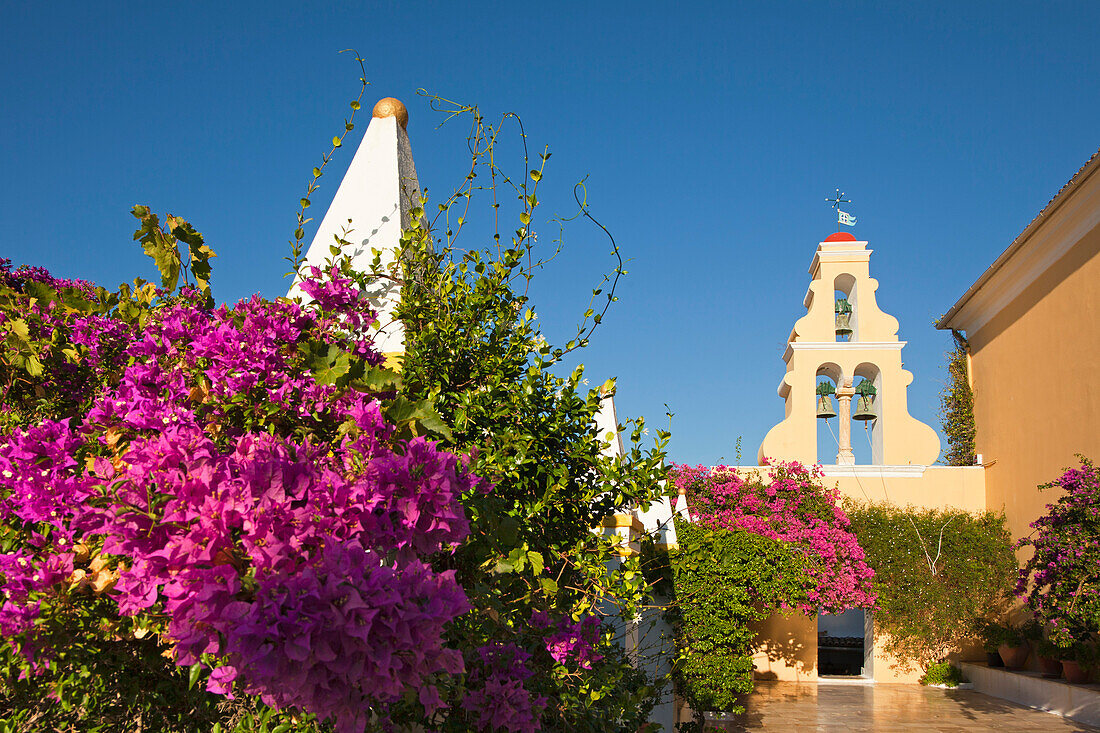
[474,349]
[935,572]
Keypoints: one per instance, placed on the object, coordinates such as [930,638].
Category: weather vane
[842,217]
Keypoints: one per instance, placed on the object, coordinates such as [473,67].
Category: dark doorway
[841,644]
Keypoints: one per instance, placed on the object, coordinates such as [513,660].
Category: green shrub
[724,581]
[935,571]
[993,634]
[942,673]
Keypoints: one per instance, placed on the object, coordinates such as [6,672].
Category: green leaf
[39,291]
[403,412]
[432,421]
[19,328]
[328,363]
[377,379]
[200,254]
[509,530]
[158,245]
[193,674]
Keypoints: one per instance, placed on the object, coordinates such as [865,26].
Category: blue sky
[710,134]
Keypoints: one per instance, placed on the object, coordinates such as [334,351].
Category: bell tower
[846,349]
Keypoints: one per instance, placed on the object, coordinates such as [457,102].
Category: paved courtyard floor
[851,708]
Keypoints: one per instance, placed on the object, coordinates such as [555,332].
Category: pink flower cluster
[1061,581]
[101,338]
[38,487]
[793,507]
[495,694]
[571,640]
[272,526]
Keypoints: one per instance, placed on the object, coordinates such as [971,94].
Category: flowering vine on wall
[792,506]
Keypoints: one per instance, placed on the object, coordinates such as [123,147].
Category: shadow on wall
[906,670]
[782,652]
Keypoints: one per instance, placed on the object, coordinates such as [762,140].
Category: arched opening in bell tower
[844,308]
[829,375]
[867,415]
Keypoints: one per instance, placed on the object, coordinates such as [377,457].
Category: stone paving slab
[790,706]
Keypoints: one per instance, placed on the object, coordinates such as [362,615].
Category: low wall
[928,487]
[1080,703]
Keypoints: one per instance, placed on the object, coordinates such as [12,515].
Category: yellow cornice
[623,520]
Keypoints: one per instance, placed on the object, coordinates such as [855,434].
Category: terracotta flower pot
[1015,657]
[1049,667]
[1073,672]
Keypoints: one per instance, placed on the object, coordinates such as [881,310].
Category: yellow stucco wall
[1036,392]
[938,487]
[788,648]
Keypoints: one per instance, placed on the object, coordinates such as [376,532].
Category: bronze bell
[865,408]
[843,317]
[825,407]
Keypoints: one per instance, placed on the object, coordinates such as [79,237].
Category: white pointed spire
[370,209]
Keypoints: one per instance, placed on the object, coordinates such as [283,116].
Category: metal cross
[838,200]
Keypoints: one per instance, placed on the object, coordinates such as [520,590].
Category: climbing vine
[957,406]
[935,571]
[726,580]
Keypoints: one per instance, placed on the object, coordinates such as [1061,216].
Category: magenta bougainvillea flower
[495,694]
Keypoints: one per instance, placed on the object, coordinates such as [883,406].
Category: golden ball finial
[390,107]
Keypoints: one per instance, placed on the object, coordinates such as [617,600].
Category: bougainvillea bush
[205,477]
[757,545]
[791,505]
[242,493]
[1061,580]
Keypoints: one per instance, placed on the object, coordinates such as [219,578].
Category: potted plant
[1014,648]
[1049,657]
[992,635]
[1076,660]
